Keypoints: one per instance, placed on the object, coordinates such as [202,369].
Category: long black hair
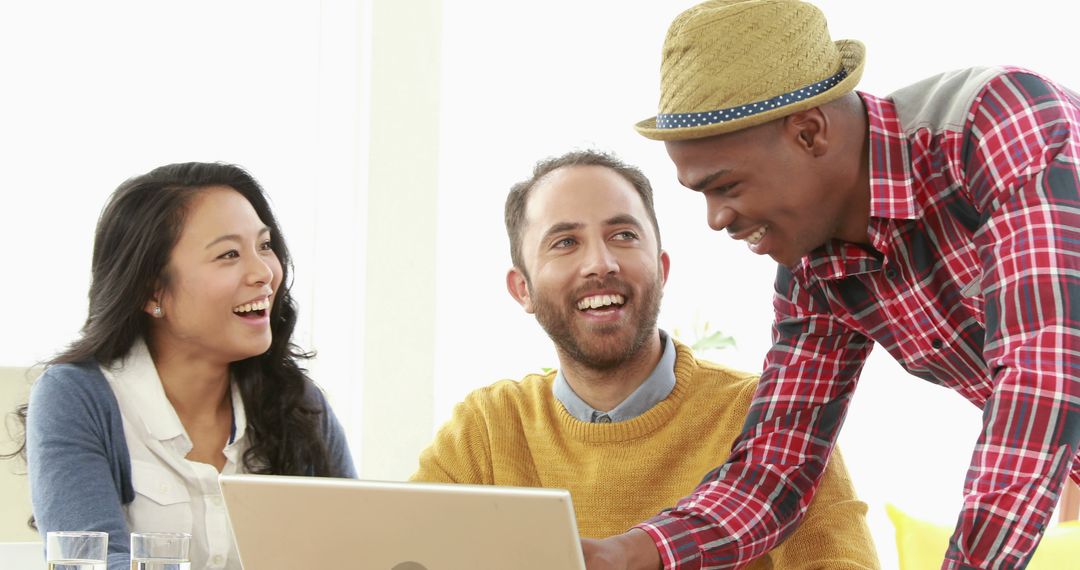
[135,236]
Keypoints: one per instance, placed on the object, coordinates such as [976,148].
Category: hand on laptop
[632,550]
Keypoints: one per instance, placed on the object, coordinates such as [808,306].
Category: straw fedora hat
[732,64]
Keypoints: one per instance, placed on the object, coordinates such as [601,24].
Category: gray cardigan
[78,461]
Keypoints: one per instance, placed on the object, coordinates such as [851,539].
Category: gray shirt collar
[652,391]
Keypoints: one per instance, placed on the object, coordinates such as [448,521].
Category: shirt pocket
[162,501]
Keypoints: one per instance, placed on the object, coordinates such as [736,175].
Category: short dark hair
[518,198]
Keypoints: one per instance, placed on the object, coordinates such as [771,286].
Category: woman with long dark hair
[185,369]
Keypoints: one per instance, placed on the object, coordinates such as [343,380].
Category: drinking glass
[160,551]
[82,550]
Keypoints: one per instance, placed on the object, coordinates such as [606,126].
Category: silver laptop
[292,523]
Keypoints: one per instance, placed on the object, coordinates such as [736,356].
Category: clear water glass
[160,551]
[83,550]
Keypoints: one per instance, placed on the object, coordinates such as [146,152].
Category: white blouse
[173,494]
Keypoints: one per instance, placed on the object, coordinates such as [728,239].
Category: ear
[518,286]
[154,301]
[665,266]
[809,130]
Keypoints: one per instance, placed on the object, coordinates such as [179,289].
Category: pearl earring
[157,311]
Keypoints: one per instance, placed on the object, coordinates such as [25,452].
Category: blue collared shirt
[652,391]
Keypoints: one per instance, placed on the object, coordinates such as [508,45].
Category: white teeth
[256,306]
[597,301]
[756,237]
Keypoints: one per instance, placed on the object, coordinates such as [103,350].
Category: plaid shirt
[970,283]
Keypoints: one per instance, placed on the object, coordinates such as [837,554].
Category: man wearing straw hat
[941,222]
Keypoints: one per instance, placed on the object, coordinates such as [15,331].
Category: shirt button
[603,419]
[215,500]
[164,487]
[937,344]
[218,559]
[890,273]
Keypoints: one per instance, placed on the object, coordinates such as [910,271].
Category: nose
[259,271]
[719,213]
[599,261]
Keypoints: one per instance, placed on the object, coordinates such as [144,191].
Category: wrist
[640,549]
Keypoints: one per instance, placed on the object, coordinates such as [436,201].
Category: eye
[231,254]
[626,235]
[267,245]
[722,190]
[564,243]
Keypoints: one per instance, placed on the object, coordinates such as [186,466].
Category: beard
[599,347]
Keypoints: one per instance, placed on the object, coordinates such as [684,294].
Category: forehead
[582,194]
[219,210]
[698,157]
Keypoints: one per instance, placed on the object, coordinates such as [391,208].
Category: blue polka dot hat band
[683,120]
[737,64]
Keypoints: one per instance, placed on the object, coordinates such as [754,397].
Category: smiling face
[221,277]
[774,186]
[594,276]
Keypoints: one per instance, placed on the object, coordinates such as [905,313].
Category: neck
[197,388]
[858,178]
[603,390]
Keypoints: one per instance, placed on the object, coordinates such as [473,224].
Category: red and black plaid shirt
[970,284]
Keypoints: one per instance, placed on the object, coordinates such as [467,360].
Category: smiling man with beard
[631,421]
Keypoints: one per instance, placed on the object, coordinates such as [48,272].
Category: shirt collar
[137,375]
[239,417]
[892,193]
[892,197]
[652,391]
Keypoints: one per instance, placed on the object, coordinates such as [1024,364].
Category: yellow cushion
[921,545]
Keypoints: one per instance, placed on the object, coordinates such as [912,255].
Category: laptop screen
[308,522]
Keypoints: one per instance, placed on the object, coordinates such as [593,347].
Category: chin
[601,352]
[783,260]
[246,352]
[790,259]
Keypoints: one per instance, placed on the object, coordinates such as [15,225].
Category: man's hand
[632,550]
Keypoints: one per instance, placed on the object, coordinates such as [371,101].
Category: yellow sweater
[620,474]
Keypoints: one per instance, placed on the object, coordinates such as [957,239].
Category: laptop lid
[309,522]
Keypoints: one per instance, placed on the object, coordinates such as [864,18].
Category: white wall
[98,92]
[399,343]
[95,92]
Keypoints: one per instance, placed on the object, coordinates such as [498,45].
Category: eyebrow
[704,183]
[560,228]
[235,237]
[624,219]
[621,219]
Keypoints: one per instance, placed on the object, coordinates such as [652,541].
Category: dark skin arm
[632,550]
